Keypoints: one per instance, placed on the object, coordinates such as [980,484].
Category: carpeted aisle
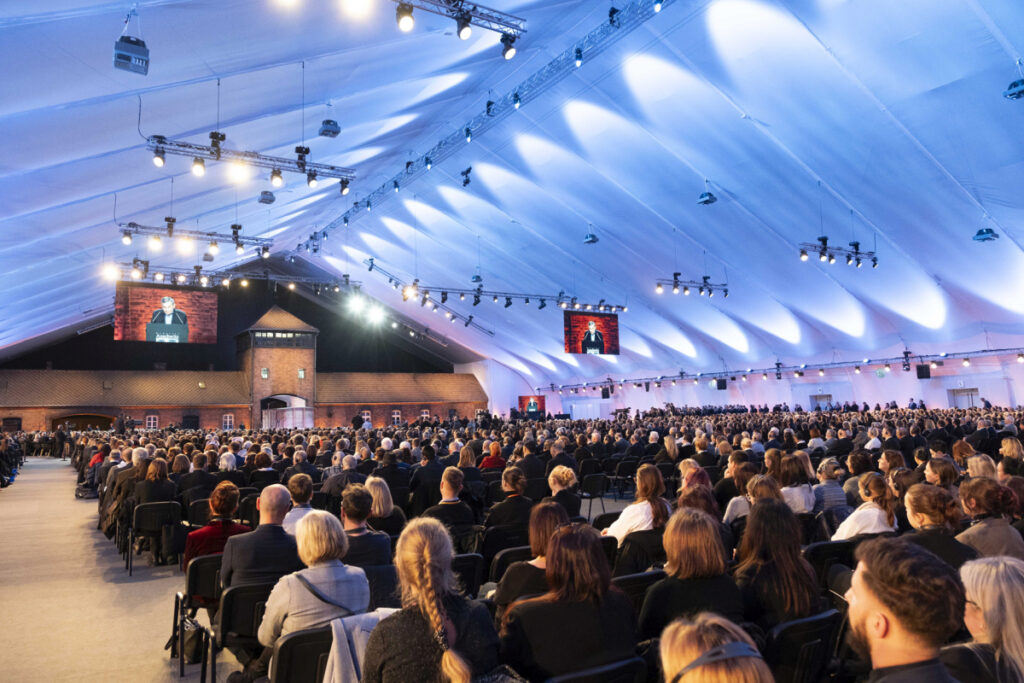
[68,611]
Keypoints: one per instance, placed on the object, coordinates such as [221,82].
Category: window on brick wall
[424,414]
[265,373]
[480,412]
[227,421]
[152,422]
[367,417]
[396,417]
[302,373]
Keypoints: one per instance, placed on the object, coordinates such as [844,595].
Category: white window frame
[302,373]
[396,417]
[425,414]
[227,422]
[152,422]
[367,417]
[264,373]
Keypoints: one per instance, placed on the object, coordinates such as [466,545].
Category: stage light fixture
[369,206]
[468,321]
[657,5]
[831,259]
[158,157]
[849,260]
[476,299]
[764,375]
[711,292]
[701,290]
[311,179]
[579,57]
[675,288]
[428,163]
[154,243]
[803,254]
[516,101]
[126,238]
[858,261]
[821,373]
[935,365]
[464,28]
[244,283]
[469,135]
[198,167]
[213,249]
[823,256]
[874,262]
[204,280]
[239,249]
[403,15]
[265,252]
[508,302]
[226,282]
[291,286]
[508,43]
[495,298]
[158,277]
[967,362]
[544,304]
[344,188]
[181,278]
[856,369]
[136,273]
[462,296]
[888,368]
[434,308]
[184,245]
[742,377]
[375,315]
[356,303]
[658,289]
[395,185]
[1020,357]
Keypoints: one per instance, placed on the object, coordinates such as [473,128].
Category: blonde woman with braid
[438,636]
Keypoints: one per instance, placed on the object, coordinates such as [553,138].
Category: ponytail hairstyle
[873,489]
[423,559]
[514,480]
[933,503]
[984,496]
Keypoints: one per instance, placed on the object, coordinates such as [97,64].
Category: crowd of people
[724,502]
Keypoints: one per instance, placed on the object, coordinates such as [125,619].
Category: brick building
[276,360]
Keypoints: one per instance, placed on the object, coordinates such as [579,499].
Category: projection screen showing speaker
[170,315]
[591,333]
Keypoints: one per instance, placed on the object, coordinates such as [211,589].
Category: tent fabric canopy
[875,121]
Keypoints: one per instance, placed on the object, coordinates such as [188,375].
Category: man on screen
[593,340]
[169,315]
[531,405]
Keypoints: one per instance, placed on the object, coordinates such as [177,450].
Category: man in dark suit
[842,446]
[429,471]
[635,450]
[560,457]
[198,476]
[366,547]
[593,340]
[531,465]
[451,511]
[335,485]
[704,455]
[168,314]
[389,471]
[301,466]
[266,554]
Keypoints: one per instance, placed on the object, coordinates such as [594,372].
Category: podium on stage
[171,334]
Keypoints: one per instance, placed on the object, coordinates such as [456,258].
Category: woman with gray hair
[229,470]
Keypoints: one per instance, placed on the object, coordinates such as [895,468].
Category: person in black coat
[560,458]
[934,515]
[526,578]
[429,471]
[301,466]
[530,464]
[599,617]
[389,471]
[451,511]
[199,476]
[266,554]
[155,488]
[366,547]
[561,481]
[515,509]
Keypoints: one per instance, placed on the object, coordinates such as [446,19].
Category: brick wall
[340,415]
[210,417]
[134,307]
[284,367]
[575,326]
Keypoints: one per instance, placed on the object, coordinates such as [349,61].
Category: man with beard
[905,603]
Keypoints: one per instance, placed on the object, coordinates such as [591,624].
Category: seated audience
[561,481]
[467,463]
[263,473]
[335,486]
[493,461]
[935,516]
[759,486]
[300,466]
[994,615]
[857,463]
[777,583]
[309,598]
[266,554]
[696,578]
[451,511]
[904,604]
[942,471]
[581,601]
[198,477]
[384,514]
[692,473]
[728,487]
[300,486]
[877,515]
[366,547]
[648,509]
[210,539]
[438,635]
[228,470]
[796,488]
[528,578]
[699,498]
[180,466]
[515,509]
[989,504]
[155,488]
[828,493]
[981,465]
[710,649]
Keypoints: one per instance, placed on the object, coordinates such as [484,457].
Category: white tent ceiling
[872,120]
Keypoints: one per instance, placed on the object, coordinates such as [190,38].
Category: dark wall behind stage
[345,344]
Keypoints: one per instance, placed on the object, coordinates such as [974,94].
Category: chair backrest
[639,551]
[626,468]
[490,475]
[247,511]
[537,488]
[636,585]
[301,657]
[244,491]
[241,610]
[605,519]
[494,492]
[470,570]
[506,557]
[383,580]
[400,496]
[810,530]
[822,556]
[594,484]
[589,466]
[199,512]
[202,577]
[798,651]
[150,518]
[610,546]
[497,538]
[833,517]
[632,670]
[667,469]
[319,501]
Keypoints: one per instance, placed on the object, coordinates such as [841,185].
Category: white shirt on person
[738,507]
[635,517]
[800,498]
[869,518]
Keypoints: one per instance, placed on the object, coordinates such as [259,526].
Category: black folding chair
[247,512]
[498,538]
[319,500]
[821,556]
[810,529]
[148,520]
[469,568]
[632,670]
[589,466]
[494,492]
[610,546]
[799,651]
[625,471]
[244,491]
[604,520]
[830,519]
[537,488]
[504,558]
[635,586]
[400,496]
[202,587]
[383,580]
[199,513]
[301,657]
[640,550]
[240,613]
[593,488]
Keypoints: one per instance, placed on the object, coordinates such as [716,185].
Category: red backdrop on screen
[524,402]
[134,306]
[576,327]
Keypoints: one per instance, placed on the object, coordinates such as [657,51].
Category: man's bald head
[273,504]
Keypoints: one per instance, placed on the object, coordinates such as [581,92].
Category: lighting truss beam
[779,368]
[628,18]
[702,286]
[137,229]
[218,153]
[484,17]
[827,252]
[218,276]
[561,299]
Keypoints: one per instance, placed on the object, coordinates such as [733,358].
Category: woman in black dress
[384,514]
[523,579]
[561,480]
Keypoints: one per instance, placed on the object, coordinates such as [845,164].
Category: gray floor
[68,610]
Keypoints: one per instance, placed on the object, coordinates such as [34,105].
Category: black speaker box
[720,384]
[604,392]
[924,371]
